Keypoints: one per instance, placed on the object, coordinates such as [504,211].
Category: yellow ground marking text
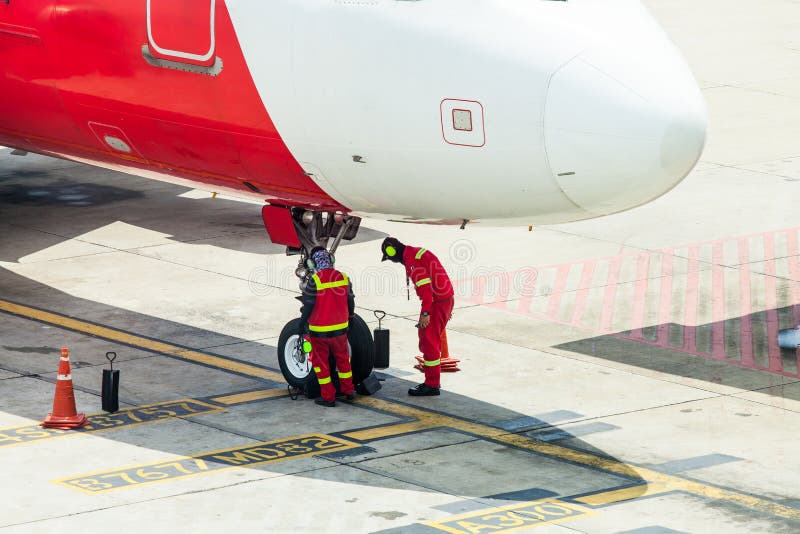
[509,518]
[208,462]
[101,422]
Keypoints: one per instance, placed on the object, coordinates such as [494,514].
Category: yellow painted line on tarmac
[389,430]
[425,418]
[626,494]
[250,396]
[668,482]
[138,341]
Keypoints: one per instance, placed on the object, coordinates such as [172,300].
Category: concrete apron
[619,375]
[552,424]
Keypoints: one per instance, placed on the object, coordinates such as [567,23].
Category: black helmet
[392,250]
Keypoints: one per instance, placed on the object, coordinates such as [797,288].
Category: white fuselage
[443,110]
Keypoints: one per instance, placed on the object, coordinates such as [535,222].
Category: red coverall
[332,299]
[435,291]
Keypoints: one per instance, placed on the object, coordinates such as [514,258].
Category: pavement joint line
[600,363]
[594,361]
[761,403]
[172,496]
[65,257]
[603,464]
[696,462]
[164,497]
[173,241]
[242,342]
[361,467]
[196,268]
[482,430]
[133,252]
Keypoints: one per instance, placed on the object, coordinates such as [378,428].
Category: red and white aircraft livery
[512,111]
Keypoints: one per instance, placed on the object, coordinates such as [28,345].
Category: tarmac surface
[618,375]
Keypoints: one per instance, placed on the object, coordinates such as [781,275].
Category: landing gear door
[182,30]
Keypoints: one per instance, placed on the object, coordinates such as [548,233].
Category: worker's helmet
[392,250]
[319,259]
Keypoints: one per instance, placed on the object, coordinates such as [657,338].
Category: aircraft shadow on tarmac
[742,351]
[62,200]
[42,194]
[43,197]
[31,350]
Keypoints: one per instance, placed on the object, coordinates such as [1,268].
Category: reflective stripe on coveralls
[321,381]
[328,285]
[323,347]
[329,328]
[321,286]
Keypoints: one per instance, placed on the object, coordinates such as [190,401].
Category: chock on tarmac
[64,415]
[447,364]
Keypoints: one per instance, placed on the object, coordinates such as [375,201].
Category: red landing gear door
[182,30]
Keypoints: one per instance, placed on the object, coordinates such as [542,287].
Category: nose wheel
[297,368]
[294,362]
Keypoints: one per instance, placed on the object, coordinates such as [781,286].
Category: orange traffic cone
[64,415]
[448,364]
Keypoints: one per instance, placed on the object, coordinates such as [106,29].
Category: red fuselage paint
[76,82]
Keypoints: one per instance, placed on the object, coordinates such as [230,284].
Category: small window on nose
[462,120]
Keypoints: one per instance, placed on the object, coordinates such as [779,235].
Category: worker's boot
[423,390]
[323,402]
[349,396]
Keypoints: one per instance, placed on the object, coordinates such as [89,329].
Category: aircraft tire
[297,370]
[362,349]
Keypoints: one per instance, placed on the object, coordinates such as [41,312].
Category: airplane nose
[621,130]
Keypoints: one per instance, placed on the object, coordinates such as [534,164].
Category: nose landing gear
[314,229]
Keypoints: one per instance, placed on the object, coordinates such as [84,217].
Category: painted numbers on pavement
[124,418]
[509,518]
[246,456]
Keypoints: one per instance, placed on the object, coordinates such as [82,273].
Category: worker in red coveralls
[328,306]
[435,291]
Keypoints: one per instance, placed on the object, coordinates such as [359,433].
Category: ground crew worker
[328,306]
[435,290]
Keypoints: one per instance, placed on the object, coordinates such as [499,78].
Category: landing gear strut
[316,229]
